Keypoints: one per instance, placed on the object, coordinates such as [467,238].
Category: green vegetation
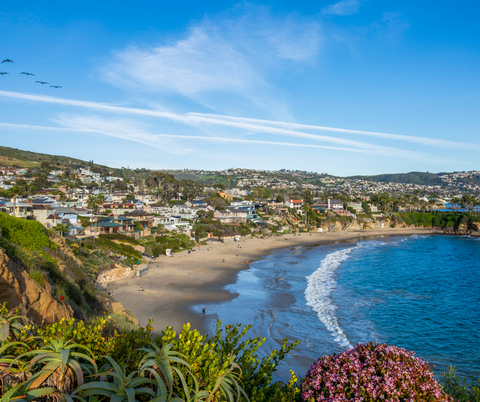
[412,177]
[437,219]
[461,389]
[86,361]
[176,242]
[28,243]
[92,361]
[31,235]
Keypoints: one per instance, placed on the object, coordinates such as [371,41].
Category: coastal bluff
[18,290]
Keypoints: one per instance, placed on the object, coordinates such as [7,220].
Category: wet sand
[174,284]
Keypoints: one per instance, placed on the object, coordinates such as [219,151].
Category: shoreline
[174,285]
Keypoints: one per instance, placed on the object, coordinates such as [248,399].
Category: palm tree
[62,228]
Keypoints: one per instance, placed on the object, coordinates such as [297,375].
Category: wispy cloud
[343,7]
[229,54]
[256,126]
[110,128]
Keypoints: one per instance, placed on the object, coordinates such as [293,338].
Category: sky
[343,87]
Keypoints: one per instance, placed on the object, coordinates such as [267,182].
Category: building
[225,196]
[230,215]
[297,205]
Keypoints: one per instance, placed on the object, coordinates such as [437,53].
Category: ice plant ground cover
[372,372]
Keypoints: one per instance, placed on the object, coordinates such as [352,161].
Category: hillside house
[297,205]
[231,215]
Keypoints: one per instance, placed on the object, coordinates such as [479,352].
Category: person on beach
[223,260]
[141,289]
[203,310]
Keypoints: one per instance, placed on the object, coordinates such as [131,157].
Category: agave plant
[62,365]
[122,387]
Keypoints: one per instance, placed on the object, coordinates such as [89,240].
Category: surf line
[320,286]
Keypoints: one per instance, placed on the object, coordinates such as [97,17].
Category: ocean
[421,293]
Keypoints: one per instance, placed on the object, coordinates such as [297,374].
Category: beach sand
[174,284]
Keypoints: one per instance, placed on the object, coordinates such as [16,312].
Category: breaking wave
[320,286]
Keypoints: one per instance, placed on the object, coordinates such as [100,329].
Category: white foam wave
[320,286]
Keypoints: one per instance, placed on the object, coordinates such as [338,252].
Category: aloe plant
[61,364]
[9,325]
[123,387]
[23,393]
[160,360]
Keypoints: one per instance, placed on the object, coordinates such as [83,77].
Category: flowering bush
[372,372]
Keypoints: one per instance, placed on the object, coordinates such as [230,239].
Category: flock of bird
[27,74]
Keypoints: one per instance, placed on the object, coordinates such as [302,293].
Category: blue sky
[345,87]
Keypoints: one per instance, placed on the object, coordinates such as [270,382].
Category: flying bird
[3,73]
[23,72]
[41,82]
[55,86]
[7,61]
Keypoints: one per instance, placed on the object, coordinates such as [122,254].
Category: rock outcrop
[18,290]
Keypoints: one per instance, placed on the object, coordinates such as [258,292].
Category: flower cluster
[372,372]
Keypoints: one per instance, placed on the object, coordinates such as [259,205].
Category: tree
[190,188]
[163,186]
[307,197]
[62,228]
[94,202]
[280,198]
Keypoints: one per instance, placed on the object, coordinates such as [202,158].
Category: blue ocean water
[420,292]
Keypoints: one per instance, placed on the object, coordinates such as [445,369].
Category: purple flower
[372,372]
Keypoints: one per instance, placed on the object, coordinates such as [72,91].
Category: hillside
[20,158]
[420,178]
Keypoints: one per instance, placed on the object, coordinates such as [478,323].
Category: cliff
[18,290]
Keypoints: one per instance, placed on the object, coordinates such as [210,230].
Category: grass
[8,161]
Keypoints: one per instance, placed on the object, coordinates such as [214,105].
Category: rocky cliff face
[18,290]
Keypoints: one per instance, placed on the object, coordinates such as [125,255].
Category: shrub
[372,372]
[459,387]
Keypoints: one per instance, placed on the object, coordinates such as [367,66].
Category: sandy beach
[174,284]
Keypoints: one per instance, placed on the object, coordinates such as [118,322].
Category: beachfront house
[228,237]
[296,205]
[334,205]
[231,215]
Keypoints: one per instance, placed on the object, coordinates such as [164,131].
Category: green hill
[422,178]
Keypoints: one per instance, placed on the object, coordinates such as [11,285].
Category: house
[319,208]
[119,207]
[42,213]
[157,208]
[17,209]
[228,237]
[297,205]
[334,205]
[242,204]
[172,223]
[230,215]
[68,214]
[225,196]
[357,206]
[52,220]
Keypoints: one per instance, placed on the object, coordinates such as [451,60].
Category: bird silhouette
[3,73]
[23,72]
[55,86]
[41,82]
[7,61]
